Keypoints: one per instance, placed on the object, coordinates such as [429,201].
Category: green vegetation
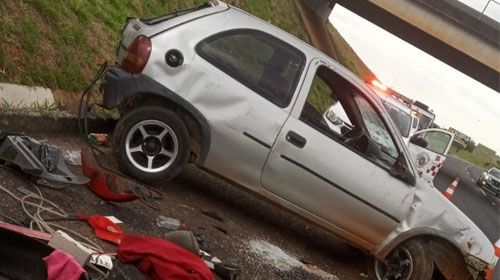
[36,106]
[480,161]
[59,43]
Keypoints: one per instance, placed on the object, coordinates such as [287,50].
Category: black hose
[84,131]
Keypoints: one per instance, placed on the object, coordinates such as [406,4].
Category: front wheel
[151,144]
[409,261]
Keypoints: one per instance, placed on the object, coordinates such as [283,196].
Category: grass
[59,43]
[36,106]
[479,161]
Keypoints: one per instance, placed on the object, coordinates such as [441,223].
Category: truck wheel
[409,261]
[151,144]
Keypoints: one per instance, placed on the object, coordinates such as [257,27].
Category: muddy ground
[267,242]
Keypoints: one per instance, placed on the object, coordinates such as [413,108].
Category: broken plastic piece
[227,271]
[107,185]
[99,139]
[39,160]
[73,157]
[104,228]
[169,223]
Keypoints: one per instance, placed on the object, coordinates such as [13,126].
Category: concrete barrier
[27,121]
[24,96]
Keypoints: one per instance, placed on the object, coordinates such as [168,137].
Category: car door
[431,158]
[323,172]
[251,79]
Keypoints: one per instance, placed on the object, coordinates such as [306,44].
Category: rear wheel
[151,144]
[409,261]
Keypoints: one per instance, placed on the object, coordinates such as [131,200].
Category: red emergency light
[379,85]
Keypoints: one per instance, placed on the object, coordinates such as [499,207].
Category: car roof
[400,105]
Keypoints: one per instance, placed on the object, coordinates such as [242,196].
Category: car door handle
[296,139]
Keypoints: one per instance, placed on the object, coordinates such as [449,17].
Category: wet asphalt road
[481,207]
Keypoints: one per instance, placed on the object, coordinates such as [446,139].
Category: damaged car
[244,100]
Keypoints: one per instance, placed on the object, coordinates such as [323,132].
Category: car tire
[409,261]
[151,144]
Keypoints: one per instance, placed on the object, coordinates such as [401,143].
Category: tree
[471,146]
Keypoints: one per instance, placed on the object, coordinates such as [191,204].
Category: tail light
[137,55]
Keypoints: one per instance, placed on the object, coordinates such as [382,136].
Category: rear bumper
[117,86]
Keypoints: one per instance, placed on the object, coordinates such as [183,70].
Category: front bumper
[491,187]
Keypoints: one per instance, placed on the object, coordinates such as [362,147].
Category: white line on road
[468,173]
[483,192]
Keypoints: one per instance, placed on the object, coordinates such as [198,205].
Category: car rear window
[263,63]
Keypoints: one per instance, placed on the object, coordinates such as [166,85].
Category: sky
[457,100]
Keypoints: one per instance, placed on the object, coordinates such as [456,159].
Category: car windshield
[495,173]
[423,122]
[400,117]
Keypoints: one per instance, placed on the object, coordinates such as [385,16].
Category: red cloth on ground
[62,266]
[160,259]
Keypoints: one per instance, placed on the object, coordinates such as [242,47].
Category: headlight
[486,177]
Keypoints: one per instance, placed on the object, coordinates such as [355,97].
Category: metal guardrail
[489,8]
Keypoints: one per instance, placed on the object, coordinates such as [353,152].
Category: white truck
[428,146]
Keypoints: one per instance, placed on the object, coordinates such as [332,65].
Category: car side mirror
[400,170]
[332,117]
[419,141]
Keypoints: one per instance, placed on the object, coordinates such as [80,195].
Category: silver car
[220,88]
[490,181]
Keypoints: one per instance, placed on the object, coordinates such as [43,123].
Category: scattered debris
[221,228]
[282,261]
[202,242]
[112,186]
[213,215]
[187,207]
[169,223]
[105,184]
[73,157]
[104,228]
[227,271]
[21,256]
[161,259]
[37,159]
[99,139]
[274,254]
[185,239]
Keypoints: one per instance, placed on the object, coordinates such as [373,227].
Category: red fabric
[160,259]
[62,266]
[104,228]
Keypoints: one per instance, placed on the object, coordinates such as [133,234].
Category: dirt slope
[59,43]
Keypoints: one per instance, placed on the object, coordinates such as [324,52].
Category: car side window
[263,63]
[437,141]
[323,109]
[337,109]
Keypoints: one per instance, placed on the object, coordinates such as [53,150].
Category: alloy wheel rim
[398,266]
[151,146]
